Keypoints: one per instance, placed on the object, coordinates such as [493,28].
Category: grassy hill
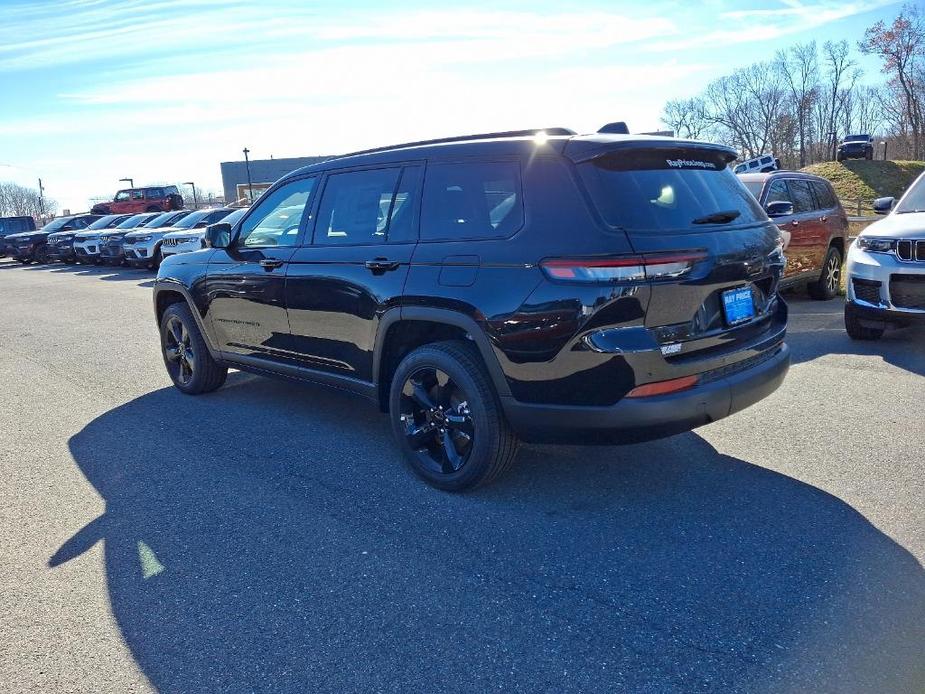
[859,178]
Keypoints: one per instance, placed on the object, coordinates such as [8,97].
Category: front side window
[778,191]
[356,207]
[276,220]
[471,200]
[122,195]
[802,196]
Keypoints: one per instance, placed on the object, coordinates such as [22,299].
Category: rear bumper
[642,419]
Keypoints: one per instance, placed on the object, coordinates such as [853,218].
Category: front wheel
[829,282]
[156,259]
[855,330]
[186,356]
[41,254]
[447,419]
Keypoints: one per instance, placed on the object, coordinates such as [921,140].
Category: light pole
[247,165]
[41,199]
[195,201]
[884,150]
[131,181]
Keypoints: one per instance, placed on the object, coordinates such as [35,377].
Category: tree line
[798,104]
[21,201]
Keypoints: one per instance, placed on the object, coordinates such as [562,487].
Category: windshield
[668,189]
[190,220]
[133,221]
[914,199]
[56,224]
[104,222]
[856,138]
[234,217]
[161,220]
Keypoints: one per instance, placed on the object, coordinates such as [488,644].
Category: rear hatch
[680,200]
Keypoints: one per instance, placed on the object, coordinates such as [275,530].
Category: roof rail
[552,132]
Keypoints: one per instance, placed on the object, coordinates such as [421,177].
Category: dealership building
[263,174]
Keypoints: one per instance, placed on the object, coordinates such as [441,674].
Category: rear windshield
[134,221]
[667,189]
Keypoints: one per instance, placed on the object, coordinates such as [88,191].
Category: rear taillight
[622,269]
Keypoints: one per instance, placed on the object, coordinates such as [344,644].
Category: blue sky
[161,90]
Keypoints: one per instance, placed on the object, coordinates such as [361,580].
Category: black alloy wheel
[447,419]
[438,423]
[186,356]
[179,352]
[41,254]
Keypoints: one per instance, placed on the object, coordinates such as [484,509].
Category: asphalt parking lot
[267,536]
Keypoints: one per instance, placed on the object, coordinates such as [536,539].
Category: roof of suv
[513,143]
[780,173]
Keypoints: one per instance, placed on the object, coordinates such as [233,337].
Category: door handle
[794,223]
[380,265]
[823,218]
[271,264]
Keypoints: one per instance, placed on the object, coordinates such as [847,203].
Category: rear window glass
[471,200]
[655,190]
[825,195]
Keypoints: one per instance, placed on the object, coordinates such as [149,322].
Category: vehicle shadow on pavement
[267,537]
[817,328]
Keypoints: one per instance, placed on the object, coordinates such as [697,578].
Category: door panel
[246,284]
[809,232]
[338,288]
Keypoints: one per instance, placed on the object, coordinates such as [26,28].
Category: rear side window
[355,207]
[824,194]
[471,200]
[802,196]
[656,190]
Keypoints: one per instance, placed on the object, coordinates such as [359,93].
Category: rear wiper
[723,217]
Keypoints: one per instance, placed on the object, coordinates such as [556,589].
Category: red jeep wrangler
[135,200]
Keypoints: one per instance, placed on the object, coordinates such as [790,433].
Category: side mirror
[779,208]
[883,205]
[218,235]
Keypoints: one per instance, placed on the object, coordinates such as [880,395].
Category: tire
[191,368]
[41,254]
[460,441]
[855,330]
[869,155]
[152,208]
[70,261]
[25,261]
[156,259]
[829,282]
[839,157]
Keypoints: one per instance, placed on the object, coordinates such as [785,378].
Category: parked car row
[139,240]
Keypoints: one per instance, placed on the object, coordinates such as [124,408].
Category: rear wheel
[829,282]
[855,330]
[447,420]
[189,364]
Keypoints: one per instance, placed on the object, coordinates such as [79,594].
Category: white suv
[886,268]
[143,248]
[189,240]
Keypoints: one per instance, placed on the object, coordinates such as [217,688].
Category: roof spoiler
[581,149]
[615,128]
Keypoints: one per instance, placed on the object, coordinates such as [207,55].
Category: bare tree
[799,67]
[687,117]
[17,200]
[901,46]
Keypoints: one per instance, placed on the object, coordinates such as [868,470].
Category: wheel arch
[170,292]
[404,329]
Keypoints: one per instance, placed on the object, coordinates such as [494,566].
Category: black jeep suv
[535,285]
[855,147]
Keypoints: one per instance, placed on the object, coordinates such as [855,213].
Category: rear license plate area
[738,305]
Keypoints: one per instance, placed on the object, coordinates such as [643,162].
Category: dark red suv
[813,224]
[136,200]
